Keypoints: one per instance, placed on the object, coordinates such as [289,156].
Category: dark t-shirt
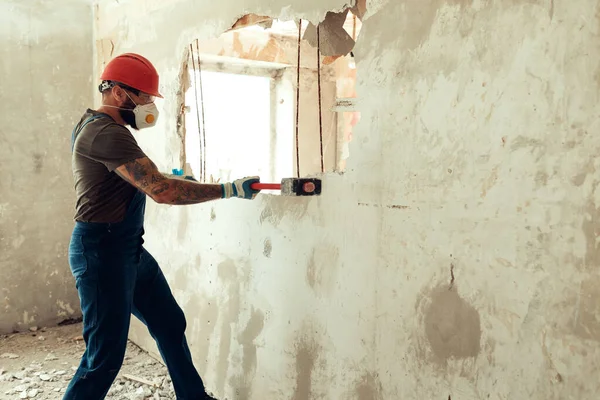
[101,147]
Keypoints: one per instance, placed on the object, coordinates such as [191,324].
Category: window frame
[238,66]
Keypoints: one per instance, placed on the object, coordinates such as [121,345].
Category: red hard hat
[133,70]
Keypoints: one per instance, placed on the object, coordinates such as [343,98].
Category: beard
[126,112]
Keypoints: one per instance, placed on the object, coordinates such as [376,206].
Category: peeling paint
[65,308]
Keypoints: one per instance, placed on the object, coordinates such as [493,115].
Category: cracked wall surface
[46,65]
[456,258]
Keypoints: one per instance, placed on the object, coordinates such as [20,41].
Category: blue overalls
[115,277]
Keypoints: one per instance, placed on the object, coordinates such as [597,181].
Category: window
[241,101]
[240,129]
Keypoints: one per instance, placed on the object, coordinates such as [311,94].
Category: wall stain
[537,147]
[183,223]
[541,179]
[588,169]
[579,179]
[322,267]
[203,326]
[452,326]
[561,309]
[466,22]
[521,2]
[38,163]
[548,358]
[369,387]
[489,182]
[307,353]
[597,72]
[213,216]
[180,278]
[268,247]
[243,383]
[591,230]
[586,322]
[227,272]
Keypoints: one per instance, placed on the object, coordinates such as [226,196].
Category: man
[114,274]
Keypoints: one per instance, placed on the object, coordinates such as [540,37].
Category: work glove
[240,188]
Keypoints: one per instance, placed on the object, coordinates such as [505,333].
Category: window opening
[271,98]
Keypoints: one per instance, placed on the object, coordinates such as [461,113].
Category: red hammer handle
[266,186]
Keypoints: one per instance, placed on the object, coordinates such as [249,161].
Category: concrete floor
[40,365]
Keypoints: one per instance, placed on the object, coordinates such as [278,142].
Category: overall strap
[79,128]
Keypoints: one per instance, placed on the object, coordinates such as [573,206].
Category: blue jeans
[116,278]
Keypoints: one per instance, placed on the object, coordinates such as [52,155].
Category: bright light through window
[271,105]
[237,114]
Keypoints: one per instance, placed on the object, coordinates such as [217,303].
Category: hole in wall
[241,115]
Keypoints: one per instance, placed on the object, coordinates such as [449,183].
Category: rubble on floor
[39,365]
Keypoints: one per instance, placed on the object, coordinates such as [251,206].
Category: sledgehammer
[293,186]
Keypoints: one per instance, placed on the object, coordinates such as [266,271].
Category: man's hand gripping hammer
[292,186]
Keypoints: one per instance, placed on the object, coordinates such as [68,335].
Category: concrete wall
[456,258]
[45,80]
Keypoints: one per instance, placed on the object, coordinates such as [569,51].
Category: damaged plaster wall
[45,86]
[456,258]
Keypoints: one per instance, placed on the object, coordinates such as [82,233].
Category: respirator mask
[139,116]
[145,115]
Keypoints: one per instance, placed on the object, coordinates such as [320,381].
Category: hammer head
[300,187]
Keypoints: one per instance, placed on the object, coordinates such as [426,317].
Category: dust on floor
[40,364]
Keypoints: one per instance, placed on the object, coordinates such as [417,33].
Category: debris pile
[37,382]
[33,381]
[41,367]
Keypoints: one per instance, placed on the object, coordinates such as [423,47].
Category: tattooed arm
[144,174]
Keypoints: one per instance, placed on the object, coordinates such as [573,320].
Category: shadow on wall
[270,98]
